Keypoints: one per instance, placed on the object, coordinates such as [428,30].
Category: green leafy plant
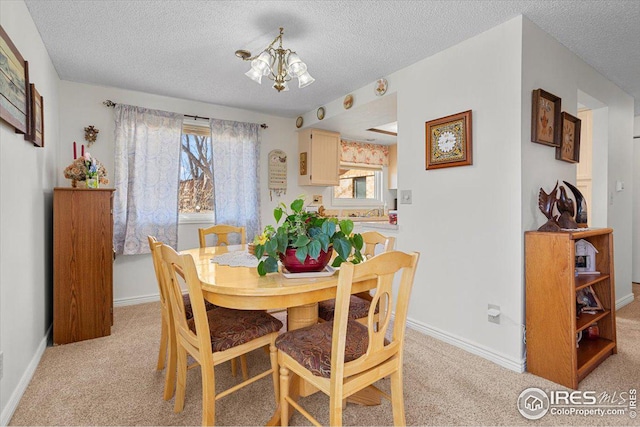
[309,234]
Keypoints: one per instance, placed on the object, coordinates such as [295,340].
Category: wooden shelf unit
[82,264]
[552,323]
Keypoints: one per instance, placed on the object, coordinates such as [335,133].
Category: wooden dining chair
[343,356]
[222,232]
[166,326]
[212,337]
[359,304]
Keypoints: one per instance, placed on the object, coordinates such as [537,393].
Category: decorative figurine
[546,202]
[90,134]
[581,205]
[565,206]
[566,210]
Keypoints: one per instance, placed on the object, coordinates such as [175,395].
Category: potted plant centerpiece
[305,241]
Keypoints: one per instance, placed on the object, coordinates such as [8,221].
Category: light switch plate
[405,197]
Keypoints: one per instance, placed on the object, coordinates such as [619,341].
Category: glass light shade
[295,66]
[255,75]
[261,63]
[305,80]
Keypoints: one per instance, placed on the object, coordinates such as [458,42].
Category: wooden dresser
[82,264]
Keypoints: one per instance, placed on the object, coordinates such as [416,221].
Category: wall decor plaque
[14,86]
[569,149]
[545,118]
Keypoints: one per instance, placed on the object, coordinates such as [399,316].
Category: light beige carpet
[113,381]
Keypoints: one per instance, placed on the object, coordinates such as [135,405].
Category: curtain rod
[110,103]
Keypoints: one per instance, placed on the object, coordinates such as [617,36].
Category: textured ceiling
[185,49]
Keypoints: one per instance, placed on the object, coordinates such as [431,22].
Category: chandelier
[278,64]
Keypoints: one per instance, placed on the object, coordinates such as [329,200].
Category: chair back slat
[222,232]
[371,241]
[381,270]
[154,245]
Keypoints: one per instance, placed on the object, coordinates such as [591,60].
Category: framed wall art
[36,124]
[14,85]
[545,118]
[569,149]
[448,141]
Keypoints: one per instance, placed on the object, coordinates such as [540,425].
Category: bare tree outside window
[196,175]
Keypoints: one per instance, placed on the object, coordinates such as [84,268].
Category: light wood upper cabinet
[393,167]
[319,157]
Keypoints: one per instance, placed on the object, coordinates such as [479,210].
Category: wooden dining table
[241,287]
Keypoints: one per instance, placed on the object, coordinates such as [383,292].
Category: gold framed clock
[448,141]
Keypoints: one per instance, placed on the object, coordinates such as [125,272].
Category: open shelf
[591,353]
[584,320]
[584,280]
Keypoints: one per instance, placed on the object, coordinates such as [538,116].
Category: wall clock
[448,141]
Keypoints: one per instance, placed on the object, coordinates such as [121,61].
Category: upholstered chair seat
[230,328]
[311,346]
[358,308]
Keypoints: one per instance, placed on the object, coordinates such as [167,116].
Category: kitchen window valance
[364,153]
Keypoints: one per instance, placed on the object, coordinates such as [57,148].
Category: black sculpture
[581,205]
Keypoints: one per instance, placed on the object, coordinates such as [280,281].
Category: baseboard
[136,300]
[471,347]
[14,400]
[627,299]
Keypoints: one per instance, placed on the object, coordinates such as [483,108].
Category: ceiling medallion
[278,64]
[381,87]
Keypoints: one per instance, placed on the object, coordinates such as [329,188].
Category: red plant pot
[293,265]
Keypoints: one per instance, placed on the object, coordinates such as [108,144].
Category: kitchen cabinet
[82,264]
[319,157]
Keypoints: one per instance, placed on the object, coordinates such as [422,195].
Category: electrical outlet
[405,197]
[317,198]
[493,313]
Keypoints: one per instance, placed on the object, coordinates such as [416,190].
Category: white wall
[465,221]
[636,201]
[565,75]
[81,106]
[27,176]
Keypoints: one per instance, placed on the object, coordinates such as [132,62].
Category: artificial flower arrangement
[86,168]
[309,235]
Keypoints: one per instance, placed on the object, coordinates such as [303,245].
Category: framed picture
[14,85]
[587,300]
[545,118]
[303,163]
[36,124]
[448,141]
[569,149]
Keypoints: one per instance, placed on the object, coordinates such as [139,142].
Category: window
[359,184]
[195,198]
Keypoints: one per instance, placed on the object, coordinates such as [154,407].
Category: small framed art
[569,149]
[448,141]
[545,118]
[36,124]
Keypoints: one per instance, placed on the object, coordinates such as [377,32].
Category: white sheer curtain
[147,165]
[236,151]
